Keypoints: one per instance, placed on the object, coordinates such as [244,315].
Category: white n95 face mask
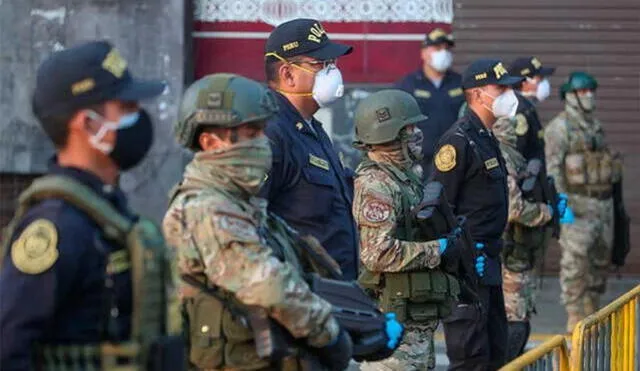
[544,90]
[441,60]
[327,86]
[504,105]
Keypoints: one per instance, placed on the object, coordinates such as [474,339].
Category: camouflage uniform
[584,168]
[519,285]
[387,187]
[223,236]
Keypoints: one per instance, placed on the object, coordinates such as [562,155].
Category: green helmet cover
[578,80]
[221,100]
[380,117]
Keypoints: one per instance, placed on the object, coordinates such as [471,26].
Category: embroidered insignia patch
[383,114]
[375,211]
[446,158]
[521,125]
[36,250]
[318,162]
[491,163]
[424,94]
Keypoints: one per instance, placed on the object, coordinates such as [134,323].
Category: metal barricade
[609,339]
[552,355]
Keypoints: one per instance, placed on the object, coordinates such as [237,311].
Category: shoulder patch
[521,125]
[446,158]
[36,250]
[375,211]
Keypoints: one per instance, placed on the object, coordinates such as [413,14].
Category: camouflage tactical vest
[523,246]
[418,296]
[590,167]
[220,338]
[155,311]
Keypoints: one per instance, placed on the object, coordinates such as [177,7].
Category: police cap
[303,37]
[484,72]
[438,36]
[530,67]
[84,75]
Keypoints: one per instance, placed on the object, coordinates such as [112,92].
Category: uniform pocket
[575,169]
[317,194]
[205,323]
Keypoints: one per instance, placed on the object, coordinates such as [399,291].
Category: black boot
[518,337]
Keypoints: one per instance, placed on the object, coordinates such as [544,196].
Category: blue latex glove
[568,217]
[563,200]
[480,260]
[443,245]
[394,330]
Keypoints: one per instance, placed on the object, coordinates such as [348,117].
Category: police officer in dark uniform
[65,286]
[469,165]
[308,184]
[533,89]
[437,88]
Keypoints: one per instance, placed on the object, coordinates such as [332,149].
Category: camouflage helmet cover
[221,100]
[380,117]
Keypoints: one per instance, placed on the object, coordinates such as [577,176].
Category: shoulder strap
[112,222]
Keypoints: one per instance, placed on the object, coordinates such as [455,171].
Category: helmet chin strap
[575,93]
[294,93]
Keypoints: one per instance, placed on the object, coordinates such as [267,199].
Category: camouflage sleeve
[374,210]
[555,149]
[236,260]
[522,211]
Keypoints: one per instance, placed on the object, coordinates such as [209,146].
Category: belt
[600,192]
[106,356]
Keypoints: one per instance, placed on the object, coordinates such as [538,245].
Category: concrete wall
[149,34]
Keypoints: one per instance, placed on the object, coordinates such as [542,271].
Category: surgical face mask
[327,86]
[134,136]
[585,102]
[543,90]
[441,60]
[504,105]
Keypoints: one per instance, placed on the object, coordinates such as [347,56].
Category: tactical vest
[523,245]
[590,167]
[418,296]
[155,312]
[220,338]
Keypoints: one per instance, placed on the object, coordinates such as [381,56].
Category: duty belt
[598,191]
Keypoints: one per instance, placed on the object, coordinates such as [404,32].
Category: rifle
[436,219]
[536,187]
[621,221]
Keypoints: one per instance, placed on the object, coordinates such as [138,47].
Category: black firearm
[436,220]
[537,187]
[621,221]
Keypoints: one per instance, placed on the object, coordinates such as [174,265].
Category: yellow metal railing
[609,339]
[550,355]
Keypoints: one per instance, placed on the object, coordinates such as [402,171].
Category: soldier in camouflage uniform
[387,186]
[585,169]
[521,251]
[226,240]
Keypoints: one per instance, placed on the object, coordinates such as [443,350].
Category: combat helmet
[380,117]
[221,100]
[578,80]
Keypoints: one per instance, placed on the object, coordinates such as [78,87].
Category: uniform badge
[521,125]
[375,211]
[299,126]
[318,162]
[36,250]
[383,114]
[420,93]
[491,163]
[446,158]
[455,92]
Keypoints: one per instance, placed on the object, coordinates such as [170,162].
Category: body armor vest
[155,312]
[590,167]
[419,296]
[220,338]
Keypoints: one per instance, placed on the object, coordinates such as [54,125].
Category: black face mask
[133,142]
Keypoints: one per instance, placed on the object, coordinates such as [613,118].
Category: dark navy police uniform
[67,303]
[440,104]
[309,187]
[529,131]
[470,166]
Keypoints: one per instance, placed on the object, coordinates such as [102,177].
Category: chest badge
[318,162]
[446,158]
[420,93]
[36,250]
[521,125]
[455,92]
[491,163]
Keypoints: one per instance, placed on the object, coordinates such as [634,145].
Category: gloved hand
[568,217]
[563,200]
[480,260]
[449,251]
[394,330]
[336,355]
